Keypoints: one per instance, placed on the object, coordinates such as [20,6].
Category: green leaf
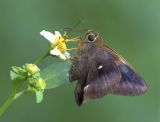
[39,96]
[56,74]
[18,70]
[15,76]
[17,80]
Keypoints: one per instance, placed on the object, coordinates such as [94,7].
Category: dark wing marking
[103,76]
[131,83]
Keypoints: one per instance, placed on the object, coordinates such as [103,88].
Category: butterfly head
[91,36]
[92,39]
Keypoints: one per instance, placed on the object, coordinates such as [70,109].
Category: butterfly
[100,71]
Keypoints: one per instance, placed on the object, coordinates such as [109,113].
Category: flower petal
[67,54]
[48,35]
[57,34]
[56,52]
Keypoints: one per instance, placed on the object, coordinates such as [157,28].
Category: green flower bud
[31,89]
[32,69]
[31,81]
[41,83]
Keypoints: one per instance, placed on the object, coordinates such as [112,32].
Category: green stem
[14,95]
[11,99]
[19,94]
[41,58]
[8,102]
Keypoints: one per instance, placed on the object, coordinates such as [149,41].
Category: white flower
[58,42]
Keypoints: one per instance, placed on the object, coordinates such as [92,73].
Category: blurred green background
[132,27]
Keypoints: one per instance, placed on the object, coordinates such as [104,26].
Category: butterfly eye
[91,38]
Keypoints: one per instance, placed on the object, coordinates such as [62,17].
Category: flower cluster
[36,83]
[29,73]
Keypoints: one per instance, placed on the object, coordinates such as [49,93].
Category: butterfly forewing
[103,77]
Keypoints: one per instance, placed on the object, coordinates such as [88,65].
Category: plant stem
[14,95]
[19,94]
[41,58]
[11,99]
[8,102]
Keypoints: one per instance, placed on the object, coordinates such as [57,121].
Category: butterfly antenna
[73,29]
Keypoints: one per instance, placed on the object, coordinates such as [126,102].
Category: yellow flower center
[60,43]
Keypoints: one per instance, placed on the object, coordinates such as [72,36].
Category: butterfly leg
[73,39]
[76,48]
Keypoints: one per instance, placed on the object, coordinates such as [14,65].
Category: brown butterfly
[101,71]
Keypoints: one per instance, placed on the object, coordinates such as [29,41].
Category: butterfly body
[101,71]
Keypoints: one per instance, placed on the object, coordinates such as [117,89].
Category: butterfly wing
[103,76]
[97,75]
[105,73]
[131,83]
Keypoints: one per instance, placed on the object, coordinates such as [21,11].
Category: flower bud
[41,83]
[32,69]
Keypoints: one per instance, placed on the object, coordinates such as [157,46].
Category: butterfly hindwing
[131,83]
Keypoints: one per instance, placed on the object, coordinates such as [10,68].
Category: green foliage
[14,76]
[52,76]
[56,74]
[17,77]
[28,73]
[39,96]
[17,73]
